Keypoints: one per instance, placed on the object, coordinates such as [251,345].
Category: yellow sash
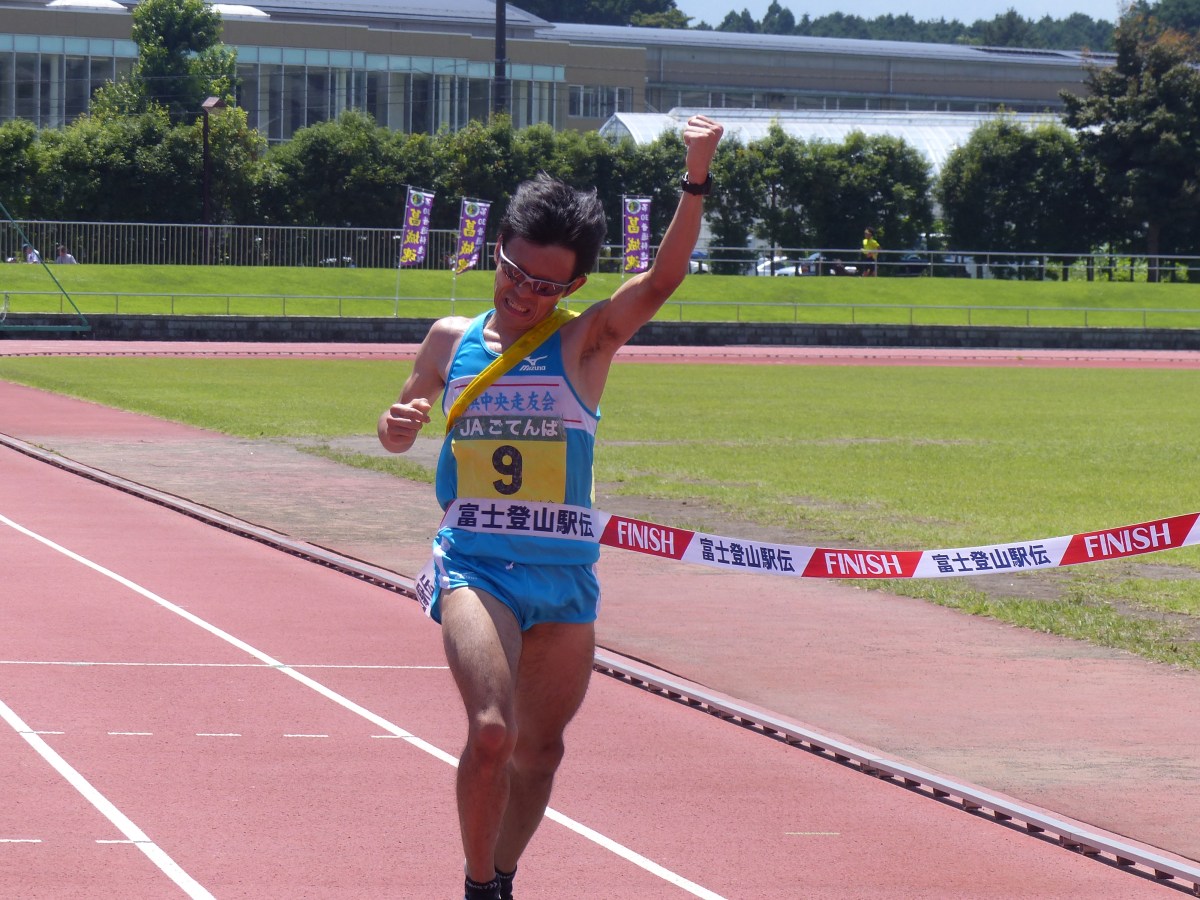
[520,348]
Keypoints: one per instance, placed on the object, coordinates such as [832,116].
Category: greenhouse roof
[933,134]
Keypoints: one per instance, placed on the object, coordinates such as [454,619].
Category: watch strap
[700,190]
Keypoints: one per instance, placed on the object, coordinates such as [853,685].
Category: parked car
[765,266]
[791,270]
[960,266]
[818,264]
[1006,269]
[910,264]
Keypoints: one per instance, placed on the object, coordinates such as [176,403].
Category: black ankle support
[488,890]
[506,883]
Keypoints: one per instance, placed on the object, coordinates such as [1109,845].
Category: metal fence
[115,243]
[983,264]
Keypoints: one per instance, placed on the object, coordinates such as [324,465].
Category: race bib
[511,457]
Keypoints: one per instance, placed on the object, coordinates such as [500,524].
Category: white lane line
[20,840]
[217,734]
[131,733]
[157,855]
[813,833]
[578,827]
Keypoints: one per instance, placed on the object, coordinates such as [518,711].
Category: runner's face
[515,299]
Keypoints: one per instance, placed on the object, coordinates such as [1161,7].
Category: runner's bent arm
[400,423]
[635,302]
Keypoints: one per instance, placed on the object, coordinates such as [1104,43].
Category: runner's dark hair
[549,212]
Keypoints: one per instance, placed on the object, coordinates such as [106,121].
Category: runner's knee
[543,757]
[491,737]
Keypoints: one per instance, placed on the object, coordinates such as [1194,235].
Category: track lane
[140,708]
[44,820]
[161,556]
[740,814]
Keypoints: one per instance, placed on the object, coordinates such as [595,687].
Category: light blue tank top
[528,437]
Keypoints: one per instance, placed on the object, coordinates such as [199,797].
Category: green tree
[142,169]
[781,180]
[901,28]
[476,161]
[337,173]
[672,18]
[18,163]
[102,167]
[1010,29]
[1141,124]
[606,12]
[1077,31]
[877,181]
[732,207]
[840,25]
[237,155]
[651,170]
[533,151]
[739,23]
[1020,188]
[778,20]
[588,160]
[181,61]
[1180,15]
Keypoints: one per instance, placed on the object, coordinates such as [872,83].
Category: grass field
[263,291]
[900,458]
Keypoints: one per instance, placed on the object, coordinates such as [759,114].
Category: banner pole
[397,248]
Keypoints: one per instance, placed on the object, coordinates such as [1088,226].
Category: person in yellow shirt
[870,249]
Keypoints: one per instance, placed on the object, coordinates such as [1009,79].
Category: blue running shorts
[535,594]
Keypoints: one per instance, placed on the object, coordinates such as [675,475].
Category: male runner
[518,603]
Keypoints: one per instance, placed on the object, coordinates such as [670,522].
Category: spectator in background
[63,255]
[31,255]
[870,249]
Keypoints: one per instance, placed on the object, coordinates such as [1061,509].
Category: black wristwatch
[700,190]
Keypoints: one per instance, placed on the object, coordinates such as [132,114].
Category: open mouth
[516,307]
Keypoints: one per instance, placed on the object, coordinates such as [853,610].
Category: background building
[420,69]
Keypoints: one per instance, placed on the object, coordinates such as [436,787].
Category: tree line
[1009,29]
[1121,170]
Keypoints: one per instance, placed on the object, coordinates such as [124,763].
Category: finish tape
[574,523]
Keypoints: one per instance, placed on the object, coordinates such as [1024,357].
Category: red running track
[190,713]
[747,354]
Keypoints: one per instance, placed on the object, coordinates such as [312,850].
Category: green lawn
[209,290]
[899,458]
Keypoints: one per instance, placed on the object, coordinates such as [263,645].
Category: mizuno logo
[534,362]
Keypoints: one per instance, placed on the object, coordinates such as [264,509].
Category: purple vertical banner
[416,227]
[472,223]
[635,225]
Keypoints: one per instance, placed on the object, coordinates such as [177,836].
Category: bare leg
[556,665]
[483,649]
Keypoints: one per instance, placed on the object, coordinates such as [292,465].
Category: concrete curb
[294,329]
